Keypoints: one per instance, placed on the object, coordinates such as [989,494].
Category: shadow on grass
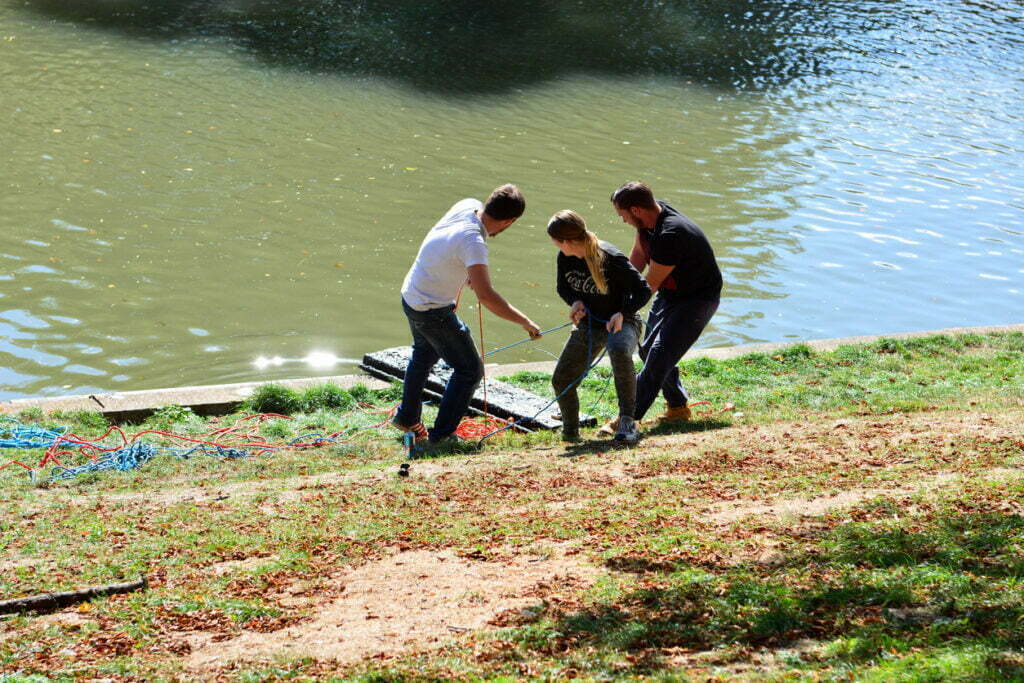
[445,448]
[603,444]
[703,425]
[589,447]
[949,586]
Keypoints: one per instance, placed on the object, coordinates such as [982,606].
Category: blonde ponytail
[595,262]
[568,226]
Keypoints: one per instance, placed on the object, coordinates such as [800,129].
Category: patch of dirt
[761,661]
[228,566]
[12,564]
[406,601]
[731,512]
[817,443]
[67,617]
[811,507]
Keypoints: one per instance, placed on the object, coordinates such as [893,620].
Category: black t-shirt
[675,240]
[627,288]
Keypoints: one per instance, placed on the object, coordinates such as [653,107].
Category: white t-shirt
[457,242]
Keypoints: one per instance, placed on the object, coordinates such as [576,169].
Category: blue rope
[590,349]
[14,434]
[123,459]
[139,453]
[524,341]
[27,436]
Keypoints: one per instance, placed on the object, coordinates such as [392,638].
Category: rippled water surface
[177,204]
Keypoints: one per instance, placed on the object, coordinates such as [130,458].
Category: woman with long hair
[604,292]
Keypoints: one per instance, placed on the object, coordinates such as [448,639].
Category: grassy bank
[851,514]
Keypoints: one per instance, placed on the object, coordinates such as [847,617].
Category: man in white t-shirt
[453,253]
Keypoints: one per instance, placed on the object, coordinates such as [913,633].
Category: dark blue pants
[439,334]
[673,325]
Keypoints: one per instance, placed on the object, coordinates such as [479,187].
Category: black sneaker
[452,438]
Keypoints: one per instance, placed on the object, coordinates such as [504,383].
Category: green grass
[921,578]
[883,377]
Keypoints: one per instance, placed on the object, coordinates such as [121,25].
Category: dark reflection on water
[490,45]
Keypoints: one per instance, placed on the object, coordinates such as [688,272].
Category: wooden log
[48,602]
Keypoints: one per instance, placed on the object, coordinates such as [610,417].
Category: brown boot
[609,427]
[676,414]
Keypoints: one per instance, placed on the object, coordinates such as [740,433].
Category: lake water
[181,199]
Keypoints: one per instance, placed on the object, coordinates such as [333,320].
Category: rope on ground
[571,385]
[480,428]
[116,450]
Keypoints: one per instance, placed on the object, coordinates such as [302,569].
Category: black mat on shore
[503,400]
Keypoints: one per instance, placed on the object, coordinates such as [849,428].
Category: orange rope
[475,428]
[483,362]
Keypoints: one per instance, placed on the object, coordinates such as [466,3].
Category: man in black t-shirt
[681,268]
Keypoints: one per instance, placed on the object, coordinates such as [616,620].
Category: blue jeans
[439,334]
[673,325]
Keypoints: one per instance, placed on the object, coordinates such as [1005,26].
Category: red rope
[241,434]
[725,408]
[483,361]
[478,427]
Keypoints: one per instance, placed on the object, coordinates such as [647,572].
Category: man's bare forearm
[496,304]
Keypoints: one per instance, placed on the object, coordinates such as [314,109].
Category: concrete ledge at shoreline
[223,398]
[216,399]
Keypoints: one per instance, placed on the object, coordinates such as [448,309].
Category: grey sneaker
[627,432]
[453,443]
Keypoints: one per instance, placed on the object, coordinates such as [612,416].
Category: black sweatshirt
[627,289]
[676,241]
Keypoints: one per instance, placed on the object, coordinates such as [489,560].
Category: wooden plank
[503,400]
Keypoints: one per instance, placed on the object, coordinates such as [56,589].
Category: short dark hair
[504,203]
[634,193]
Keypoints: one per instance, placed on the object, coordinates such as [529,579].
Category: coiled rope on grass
[117,450]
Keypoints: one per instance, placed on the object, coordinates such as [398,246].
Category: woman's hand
[614,323]
[577,312]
